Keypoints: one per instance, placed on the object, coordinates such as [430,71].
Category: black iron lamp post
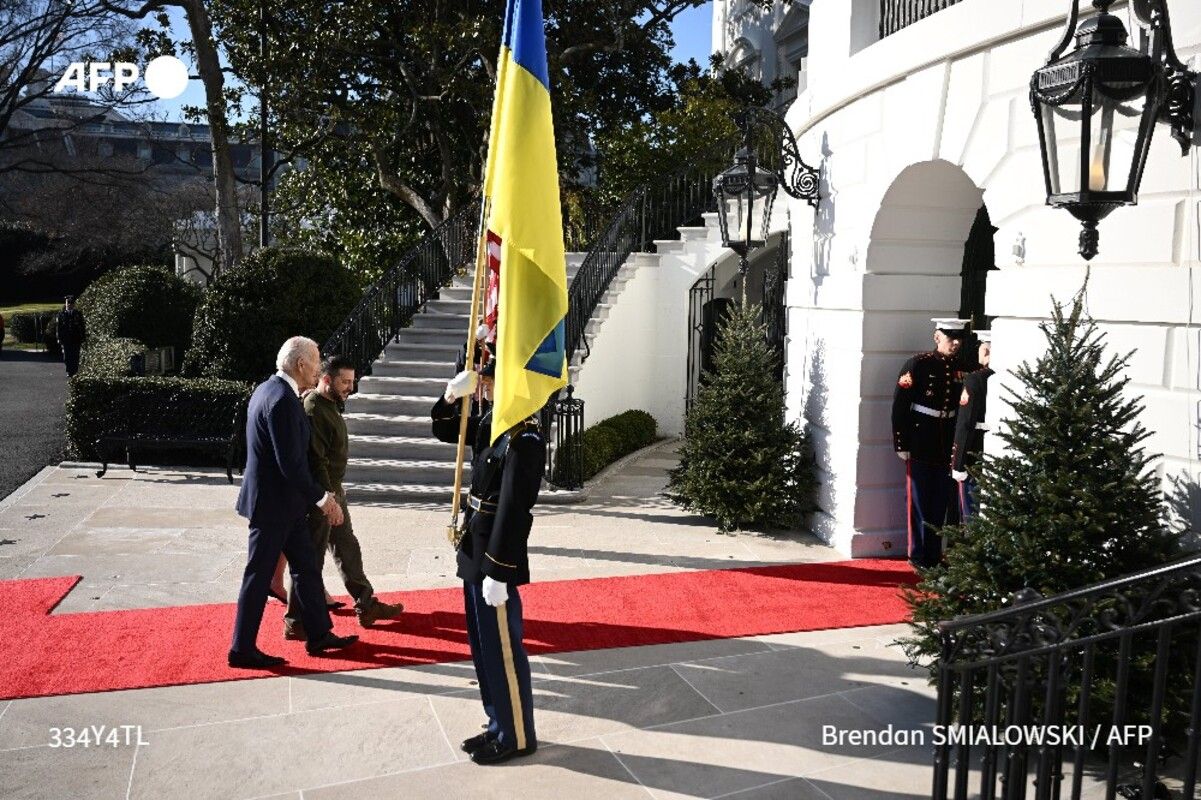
[1096,110]
[746,183]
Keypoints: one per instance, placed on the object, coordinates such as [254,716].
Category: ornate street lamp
[1096,110]
[746,183]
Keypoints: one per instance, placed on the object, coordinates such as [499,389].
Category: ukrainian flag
[521,188]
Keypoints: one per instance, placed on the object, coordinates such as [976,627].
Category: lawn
[25,308]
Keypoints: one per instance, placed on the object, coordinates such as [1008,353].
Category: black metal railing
[565,462]
[655,211]
[1114,668]
[390,303]
[898,14]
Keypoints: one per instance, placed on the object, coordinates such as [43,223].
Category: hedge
[26,325]
[107,356]
[94,407]
[147,303]
[249,311]
[607,441]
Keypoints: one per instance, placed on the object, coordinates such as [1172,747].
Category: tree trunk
[228,215]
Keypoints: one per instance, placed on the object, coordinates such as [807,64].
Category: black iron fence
[898,14]
[390,303]
[565,462]
[1114,668]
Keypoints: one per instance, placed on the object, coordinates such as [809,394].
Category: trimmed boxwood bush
[149,304]
[26,326]
[94,407]
[609,440]
[249,311]
[106,356]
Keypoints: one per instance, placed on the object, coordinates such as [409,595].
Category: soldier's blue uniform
[924,406]
[505,479]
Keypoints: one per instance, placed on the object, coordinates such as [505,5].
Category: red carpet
[105,650]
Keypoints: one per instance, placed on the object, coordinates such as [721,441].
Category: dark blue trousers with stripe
[501,665]
[968,505]
[932,504]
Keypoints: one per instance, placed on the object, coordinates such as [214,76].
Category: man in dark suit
[277,491]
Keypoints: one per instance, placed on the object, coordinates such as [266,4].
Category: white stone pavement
[739,718]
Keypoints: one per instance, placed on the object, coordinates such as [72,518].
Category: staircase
[394,457]
[421,329]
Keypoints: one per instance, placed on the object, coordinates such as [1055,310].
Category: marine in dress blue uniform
[924,406]
[970,428]
[505,479]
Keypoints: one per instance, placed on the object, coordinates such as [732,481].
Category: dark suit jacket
[277,485]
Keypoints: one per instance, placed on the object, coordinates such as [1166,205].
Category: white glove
[903,455]
[959,476]
[495,592]
[460,385]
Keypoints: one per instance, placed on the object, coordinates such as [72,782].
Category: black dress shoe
[473,744]
[493,752]
[256,660]
[330,642]
[334,605]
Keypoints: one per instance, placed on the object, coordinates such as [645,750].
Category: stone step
[405,384]
[415,370]
[440,321]
[383,493]
[408,425]
[445,306]
[404,472]
[392,404]
[448,337]
[425,447]
[407,350]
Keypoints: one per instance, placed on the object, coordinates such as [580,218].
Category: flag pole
[473,321]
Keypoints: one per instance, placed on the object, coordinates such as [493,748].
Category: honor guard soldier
[924,406]
[970,427]
[492,561]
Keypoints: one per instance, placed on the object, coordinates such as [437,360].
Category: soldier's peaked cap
[951,326]
[985,337]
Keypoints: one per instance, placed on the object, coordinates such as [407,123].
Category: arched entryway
[929,256]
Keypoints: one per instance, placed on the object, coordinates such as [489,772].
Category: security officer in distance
[493,562]
[924,406]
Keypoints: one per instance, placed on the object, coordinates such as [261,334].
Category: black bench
[148,423]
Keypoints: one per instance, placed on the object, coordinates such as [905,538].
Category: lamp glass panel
[1062,128]
[1114,135]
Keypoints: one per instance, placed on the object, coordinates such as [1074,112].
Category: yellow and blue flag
[525,226]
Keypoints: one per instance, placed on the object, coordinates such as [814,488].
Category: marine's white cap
[950,325]
[984,337]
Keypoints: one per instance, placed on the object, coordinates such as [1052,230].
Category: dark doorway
[979,258]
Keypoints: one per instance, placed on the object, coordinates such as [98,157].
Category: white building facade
[926,139]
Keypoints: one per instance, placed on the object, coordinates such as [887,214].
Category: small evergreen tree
[741,463]
[1071,502]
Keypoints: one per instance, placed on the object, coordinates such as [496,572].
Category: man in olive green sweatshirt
[329,450]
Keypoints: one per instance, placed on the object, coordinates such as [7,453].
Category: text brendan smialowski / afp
[988,735]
